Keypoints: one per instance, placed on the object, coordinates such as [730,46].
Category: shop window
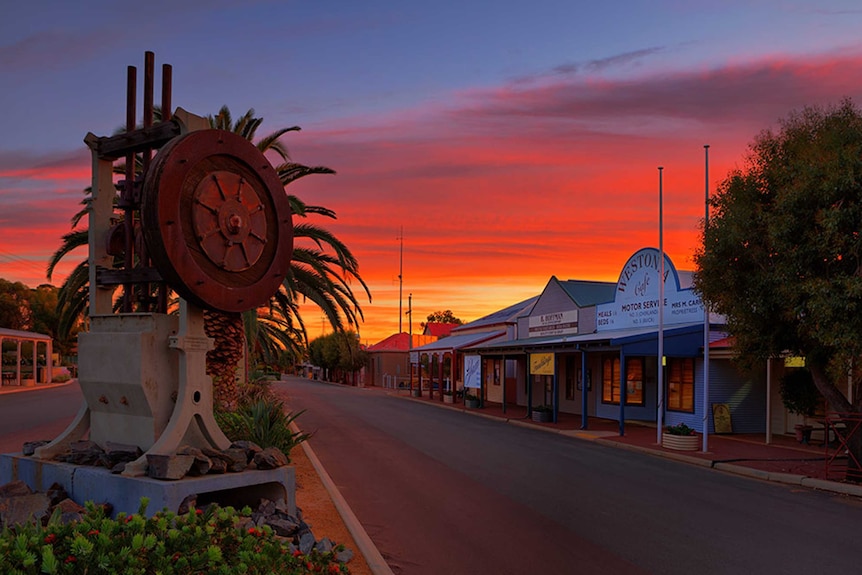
[680,384]
[634,381]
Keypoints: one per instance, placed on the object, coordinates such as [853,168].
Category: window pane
[611,380]
[634,382]
[680,385]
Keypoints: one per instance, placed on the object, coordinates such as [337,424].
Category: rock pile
[240,456]
[19,504]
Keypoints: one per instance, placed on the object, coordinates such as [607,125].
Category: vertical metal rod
[584,391]
[400,276]
[555,386]
[504,383]
[660,402]
[127,194]
[623,392]
[706,310]
[147,122]
[167,84]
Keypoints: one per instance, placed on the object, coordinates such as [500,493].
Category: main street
[441,491]
[36,414]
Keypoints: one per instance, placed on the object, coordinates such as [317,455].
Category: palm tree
[322,271]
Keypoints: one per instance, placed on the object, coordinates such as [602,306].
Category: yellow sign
[541,364]
[721,418]
[794,361]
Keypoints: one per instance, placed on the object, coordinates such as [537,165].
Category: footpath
[783,460]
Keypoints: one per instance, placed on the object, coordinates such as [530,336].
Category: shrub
[679,429]
[264,422]
[218,541]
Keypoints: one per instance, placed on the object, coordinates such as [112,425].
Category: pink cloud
[500,189]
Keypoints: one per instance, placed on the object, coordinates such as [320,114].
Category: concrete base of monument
[97,484]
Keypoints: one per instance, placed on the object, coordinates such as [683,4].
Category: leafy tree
[443,317]
[43,310]
[783,252]
[15,310]
[338,352]
[321,271]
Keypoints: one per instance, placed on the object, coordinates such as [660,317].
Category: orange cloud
[500,189]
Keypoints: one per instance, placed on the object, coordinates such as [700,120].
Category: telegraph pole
[400,278]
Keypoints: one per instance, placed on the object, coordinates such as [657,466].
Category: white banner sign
[556,323]
[472,371]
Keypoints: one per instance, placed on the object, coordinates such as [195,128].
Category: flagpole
[660,405]
[705,310]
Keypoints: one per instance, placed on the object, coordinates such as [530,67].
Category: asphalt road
[34,415]
[441,491]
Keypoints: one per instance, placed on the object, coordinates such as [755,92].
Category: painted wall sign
[541,364]
[555,323]
[473,371]
[637,297]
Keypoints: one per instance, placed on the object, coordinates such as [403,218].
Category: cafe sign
[638,293]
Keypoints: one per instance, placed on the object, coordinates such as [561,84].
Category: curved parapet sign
[637,304]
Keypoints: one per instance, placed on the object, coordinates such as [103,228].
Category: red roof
[440,329]
[723,343]
[400,342]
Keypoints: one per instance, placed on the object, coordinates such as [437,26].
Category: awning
[459,342]
[680,340]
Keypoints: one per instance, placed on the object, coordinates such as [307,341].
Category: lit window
[634,381]
[680,384]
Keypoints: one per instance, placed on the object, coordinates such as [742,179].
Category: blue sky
[511,140]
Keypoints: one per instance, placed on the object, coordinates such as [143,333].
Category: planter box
[542,416]
[471,403]
[680,442]
[414,392]
[448,398]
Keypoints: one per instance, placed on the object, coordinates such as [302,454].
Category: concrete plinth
[97,484]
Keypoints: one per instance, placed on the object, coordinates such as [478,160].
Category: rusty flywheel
[217,221]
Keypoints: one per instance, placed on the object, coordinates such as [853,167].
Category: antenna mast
[400,278]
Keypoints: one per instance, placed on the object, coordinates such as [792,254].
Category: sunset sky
[511,140]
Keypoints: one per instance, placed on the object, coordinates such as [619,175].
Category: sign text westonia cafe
[638,292]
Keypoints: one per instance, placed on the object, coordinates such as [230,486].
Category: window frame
[615,381]
[672,361]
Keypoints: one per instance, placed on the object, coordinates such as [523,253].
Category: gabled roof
[589,293]
[400,342]
[505,315]
[439,329]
